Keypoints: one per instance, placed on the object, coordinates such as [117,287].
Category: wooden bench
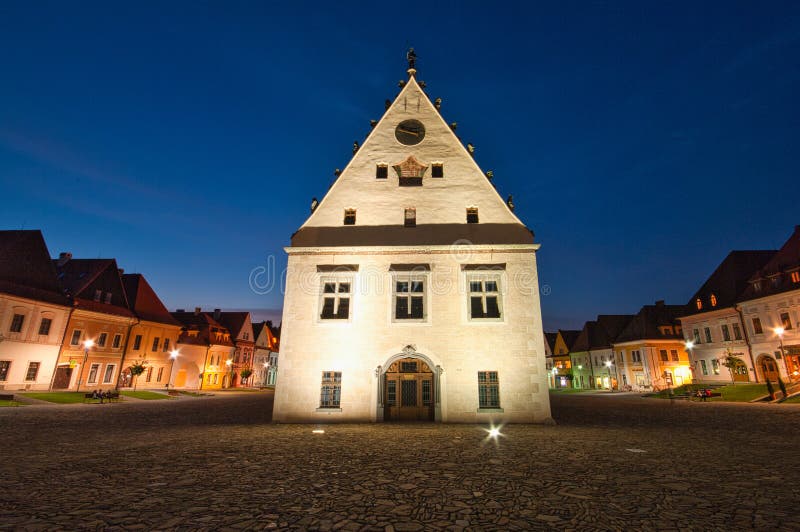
[173,393]
[9,397]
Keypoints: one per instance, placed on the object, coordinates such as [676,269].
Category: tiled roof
[204,324]
[593,336]
[646,324]
[569,337]
[775,275]
[77,276]
[728,283]
[614,324]
[422,234]
[144,301]
[26,269]
[550,338]
[235,322]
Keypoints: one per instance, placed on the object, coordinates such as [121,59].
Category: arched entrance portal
[769,368]
[739,371]
[408,393]
[409,388]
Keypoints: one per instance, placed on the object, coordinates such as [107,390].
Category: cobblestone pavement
[613,462]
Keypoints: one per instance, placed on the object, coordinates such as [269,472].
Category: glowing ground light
[317,431]
[494,433]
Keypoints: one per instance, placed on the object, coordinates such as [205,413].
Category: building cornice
[400,250]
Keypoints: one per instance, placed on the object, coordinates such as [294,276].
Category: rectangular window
[44,327]
[98,294]
[160,374]
[117,341]
[4,367]
[708,334]
[381,171]
[149,375]
[484,297]
[166,344]
[137,342]
[76,337]
[409,298]
[331,391]
[93,371]
[101,340]
[156,341]
[391,393]
[715,366]
[785,321]
[335,300]
[109,374]
[796,277]
[674,355]
[704,367]
[16,323]
[426,392]
[350,217]
[472,215]
[757,326]
[216,378]
[33,371]
[108,297]
[696,334]
[726,334]
[410,218]
[664,356]
[737,332]
[437,170]
[488,389]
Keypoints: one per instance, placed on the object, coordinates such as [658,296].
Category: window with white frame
[76,337]
[335,298]
[331,389]
[109,374]
[484,296]
[5,365]
[33,371]
[117,341]
[408,295]
[93,370]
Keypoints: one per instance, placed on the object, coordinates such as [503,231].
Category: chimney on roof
[63,258]
[217,313]
[180,310]
[197,311]
[269,324]
[121,271]
[660,303]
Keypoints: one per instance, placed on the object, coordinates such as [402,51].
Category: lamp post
[692,363]
[780,331]
[172,356]
[229,363]
[266,373]
[580,369]
[87,344]
[608,367]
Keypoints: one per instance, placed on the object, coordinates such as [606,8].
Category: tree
[770,390]
[730,362]
[137,368]
[782,386]
[245,373]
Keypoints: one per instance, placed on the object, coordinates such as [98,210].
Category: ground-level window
[160,374]
[4,367]
[331,389]
[216,378]
[640,380]
[93,371]
[484,297]
[335,300]
[109,374]
[488,389]
[704,367]
[149,374]
[715,366]
[33,371]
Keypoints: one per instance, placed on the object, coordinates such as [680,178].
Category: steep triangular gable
[438,201]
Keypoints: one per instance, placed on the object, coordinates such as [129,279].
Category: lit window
[33,371]
[699,303]
[16,323]
[488,390]
[796,277]
[409,297]
[108,297]
[44,327]
[472,215]
[437,170]
[713,300]
[98,294]
[4,367]
[350,217]
[381,171]
[410,218]
[331,391]
[484,297]
[715,366]
[335,300]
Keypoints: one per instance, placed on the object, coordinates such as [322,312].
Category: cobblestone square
[613,462]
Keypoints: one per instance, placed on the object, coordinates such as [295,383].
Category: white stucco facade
[442,254]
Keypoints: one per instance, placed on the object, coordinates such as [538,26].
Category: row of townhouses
[85,324]
[739,326]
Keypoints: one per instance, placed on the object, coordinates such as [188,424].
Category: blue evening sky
[642,141]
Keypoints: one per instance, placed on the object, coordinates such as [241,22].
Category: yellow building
[98,327]
[559,365]
[650,352]
[153,338]
[206,352]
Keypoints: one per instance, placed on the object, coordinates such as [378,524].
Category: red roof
[26,269]
[144,301]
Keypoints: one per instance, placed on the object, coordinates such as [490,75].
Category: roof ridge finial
[411,57]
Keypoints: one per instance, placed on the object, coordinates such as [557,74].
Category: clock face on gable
[410,132]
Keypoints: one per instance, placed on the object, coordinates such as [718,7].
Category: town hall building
[412,288]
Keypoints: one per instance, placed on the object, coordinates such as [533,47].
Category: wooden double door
[408,392]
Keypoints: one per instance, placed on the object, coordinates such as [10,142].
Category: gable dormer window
[98,294]
[437,170]
[713,300]
[108,297]
[698,303]
[381,171]
[775,280]
[757,285]
[796,277]
[472,215]
[349,217]
[410,218]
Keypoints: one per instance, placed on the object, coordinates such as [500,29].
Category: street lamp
[172,356]
[87,344]
[229,363]
[266,372]
[610,384]
[780,332]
